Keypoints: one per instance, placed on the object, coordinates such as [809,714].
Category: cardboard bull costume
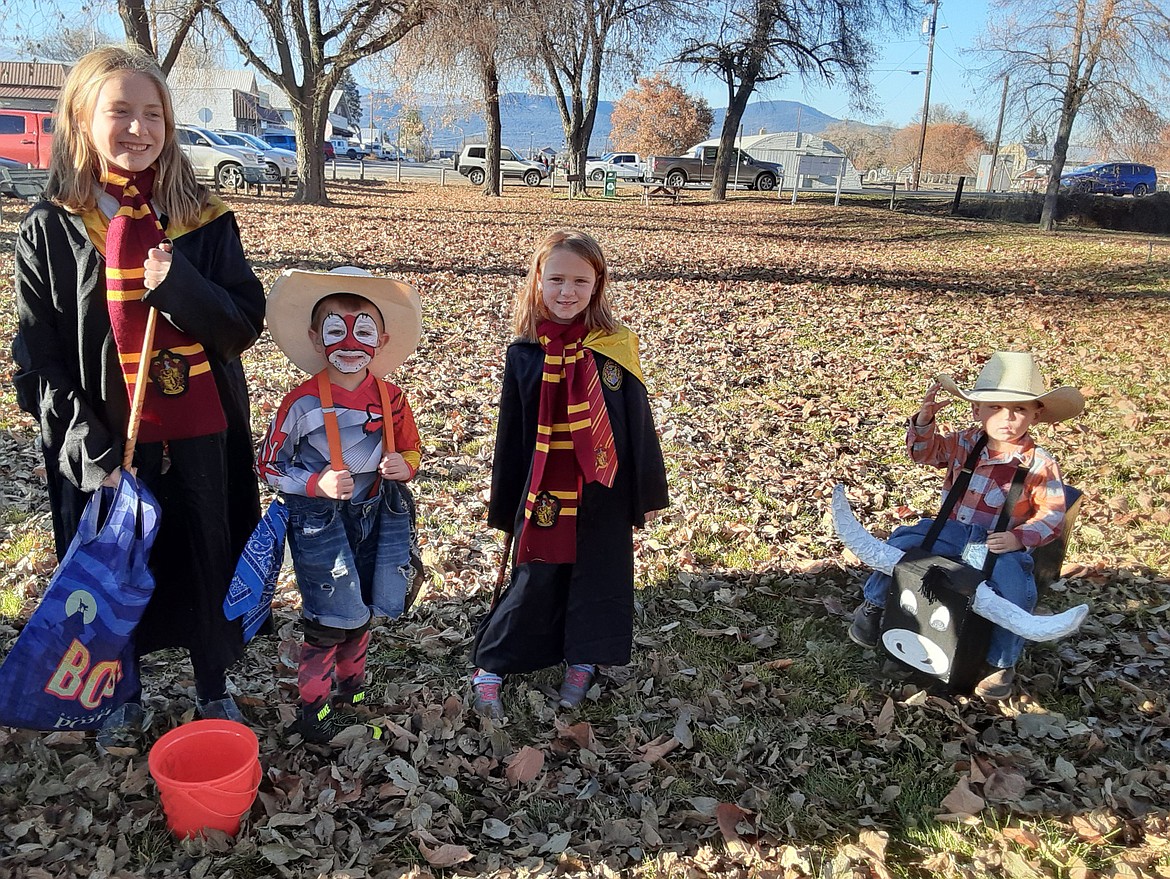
[939,610]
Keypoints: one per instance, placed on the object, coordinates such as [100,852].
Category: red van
[26,136]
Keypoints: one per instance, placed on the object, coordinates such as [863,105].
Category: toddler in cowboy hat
[1009,397]
[340,450]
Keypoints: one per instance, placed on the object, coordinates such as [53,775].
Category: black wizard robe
[581,612]
[69,377]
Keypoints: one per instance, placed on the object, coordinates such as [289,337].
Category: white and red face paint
[350,340]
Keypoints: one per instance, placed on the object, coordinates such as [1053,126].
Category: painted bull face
[917,650]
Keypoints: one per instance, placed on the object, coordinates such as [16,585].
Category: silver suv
[214,157]
[282,164]
[472,164]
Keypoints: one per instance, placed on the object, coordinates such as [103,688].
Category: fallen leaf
[524,765]
[962,801]
[445,855]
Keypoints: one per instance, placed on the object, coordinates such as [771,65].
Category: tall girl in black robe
[70,378]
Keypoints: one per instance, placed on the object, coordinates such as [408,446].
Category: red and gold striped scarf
[181,399]
[574,445]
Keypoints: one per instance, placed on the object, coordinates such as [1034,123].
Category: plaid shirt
[1039,513]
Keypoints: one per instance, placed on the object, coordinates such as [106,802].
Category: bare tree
[1105,57]
[149,22]
[753,42]
[311,44]
[576,41]
[473,45]
[867,146]
[66,43]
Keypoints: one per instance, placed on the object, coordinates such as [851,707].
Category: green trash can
[611,183]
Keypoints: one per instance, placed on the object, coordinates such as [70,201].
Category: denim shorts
[352,557]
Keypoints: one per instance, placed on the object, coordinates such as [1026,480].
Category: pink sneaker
[578,678]
[487,695]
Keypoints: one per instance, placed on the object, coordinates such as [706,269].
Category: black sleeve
[45,349]
[512,459]
[650,491]
[211,292]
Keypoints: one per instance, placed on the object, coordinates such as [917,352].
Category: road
[443,173]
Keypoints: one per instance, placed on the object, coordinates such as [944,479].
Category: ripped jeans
[352,557]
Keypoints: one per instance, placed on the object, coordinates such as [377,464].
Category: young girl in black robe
[577,467]
[126,227]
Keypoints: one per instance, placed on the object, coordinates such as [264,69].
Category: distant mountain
[532,122]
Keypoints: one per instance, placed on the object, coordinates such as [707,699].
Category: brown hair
[530,310]
[348,301]
[74,163]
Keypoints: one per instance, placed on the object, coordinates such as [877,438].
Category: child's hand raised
[158,263]
[394,467]
[931,404]
[335,484]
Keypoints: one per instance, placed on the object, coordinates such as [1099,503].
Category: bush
[1149,214]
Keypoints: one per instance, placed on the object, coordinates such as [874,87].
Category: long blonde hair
[530,310]
[75,163]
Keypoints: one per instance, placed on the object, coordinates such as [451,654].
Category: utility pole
[926,96]
[998,132]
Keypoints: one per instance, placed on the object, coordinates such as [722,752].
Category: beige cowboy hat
[290,308]
[1011,377]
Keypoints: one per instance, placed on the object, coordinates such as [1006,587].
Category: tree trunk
[1069,105]
[309,124]
[1068,112]
[578,154]
[723,161]
[491,100]
[136,24]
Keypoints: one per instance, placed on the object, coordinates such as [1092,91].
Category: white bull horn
[880,556]
[874,553]
[1006,615]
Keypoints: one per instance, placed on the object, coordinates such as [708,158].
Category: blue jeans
[1012,578]
[351,557]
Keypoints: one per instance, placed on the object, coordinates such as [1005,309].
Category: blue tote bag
[73,663]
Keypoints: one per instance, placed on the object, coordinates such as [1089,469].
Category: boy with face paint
[340,450]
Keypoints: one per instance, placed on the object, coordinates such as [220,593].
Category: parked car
[1112,178]
[214,157]
[700,168]
[343,147]
[282,163]
[472,164]
[288,142]
[26,136]
[627,166]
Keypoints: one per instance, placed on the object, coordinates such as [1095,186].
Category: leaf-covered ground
[783,347]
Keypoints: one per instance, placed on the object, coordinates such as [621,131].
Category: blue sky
[897,93]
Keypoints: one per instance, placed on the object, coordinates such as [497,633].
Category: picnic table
[25,183]
[658,189]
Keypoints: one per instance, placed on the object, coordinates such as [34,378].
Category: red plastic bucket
[207,773]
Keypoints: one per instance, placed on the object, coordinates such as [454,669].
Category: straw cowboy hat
[1012,376]
[290,308]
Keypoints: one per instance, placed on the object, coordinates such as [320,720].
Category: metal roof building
[31,85]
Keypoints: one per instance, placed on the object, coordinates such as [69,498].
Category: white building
[239,100]
[229,99]
[786,147]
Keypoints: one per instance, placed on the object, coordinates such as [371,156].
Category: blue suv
[1112,178]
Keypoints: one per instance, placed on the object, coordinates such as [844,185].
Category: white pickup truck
[627,166]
